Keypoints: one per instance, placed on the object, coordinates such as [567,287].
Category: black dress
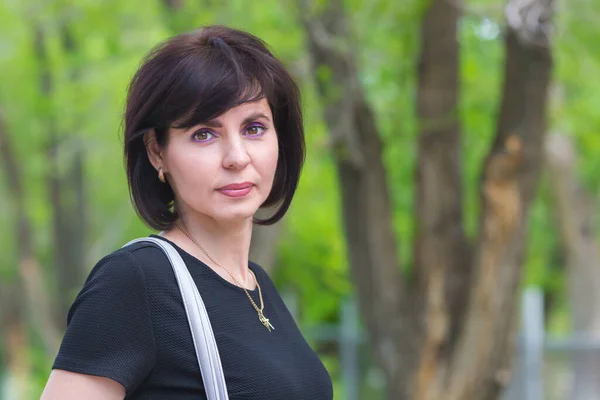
[128,324]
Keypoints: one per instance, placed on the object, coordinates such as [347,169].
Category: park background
[443,241]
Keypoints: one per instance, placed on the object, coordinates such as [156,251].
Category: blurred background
[443,242]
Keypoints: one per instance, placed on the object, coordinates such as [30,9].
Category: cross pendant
[265,321]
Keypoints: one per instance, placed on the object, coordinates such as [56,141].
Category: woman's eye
[203,136]
[255,130]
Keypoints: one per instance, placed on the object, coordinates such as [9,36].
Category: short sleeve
[109,328]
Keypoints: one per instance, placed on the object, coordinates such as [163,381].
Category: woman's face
[223,169]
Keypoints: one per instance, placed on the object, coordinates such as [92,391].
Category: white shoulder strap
[202,333]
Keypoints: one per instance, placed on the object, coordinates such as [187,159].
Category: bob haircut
[192,78]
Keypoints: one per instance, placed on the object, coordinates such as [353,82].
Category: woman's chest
[284,367]
[257,363]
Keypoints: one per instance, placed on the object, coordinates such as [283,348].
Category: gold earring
[161,175]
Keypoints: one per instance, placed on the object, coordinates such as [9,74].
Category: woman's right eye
[202,135]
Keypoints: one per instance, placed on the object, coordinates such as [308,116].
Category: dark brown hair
[197,76]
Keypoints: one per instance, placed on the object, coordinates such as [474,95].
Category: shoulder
[118,266]
[123,278]
[129,260]
[126,270]
[110,331]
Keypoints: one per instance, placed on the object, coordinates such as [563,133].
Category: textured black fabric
[128,324]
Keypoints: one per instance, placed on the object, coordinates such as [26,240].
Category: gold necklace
[261,316]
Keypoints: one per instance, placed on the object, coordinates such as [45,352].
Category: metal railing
[552,368]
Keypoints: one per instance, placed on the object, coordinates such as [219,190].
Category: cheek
[191,170]
[268,160]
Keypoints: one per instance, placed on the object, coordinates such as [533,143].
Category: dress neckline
[209,269]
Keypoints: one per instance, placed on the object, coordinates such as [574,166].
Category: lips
[237,186]
[236,190]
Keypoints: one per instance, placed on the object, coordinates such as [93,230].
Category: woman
[213,132]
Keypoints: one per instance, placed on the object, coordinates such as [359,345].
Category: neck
[228,244]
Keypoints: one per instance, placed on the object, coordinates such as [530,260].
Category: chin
[235,214]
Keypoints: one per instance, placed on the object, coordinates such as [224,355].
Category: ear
[153,150]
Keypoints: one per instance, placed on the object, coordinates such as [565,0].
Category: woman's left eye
[255,130]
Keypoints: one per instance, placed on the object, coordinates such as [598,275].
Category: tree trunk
[79,222]
[482,356]
[59,220]
[30,288]
[450,334]
[68,202]
[263,248]
[65,186]
[442,254]
[17,369]
[371,242]
[576,217]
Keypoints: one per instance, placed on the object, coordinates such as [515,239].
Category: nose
[235,154]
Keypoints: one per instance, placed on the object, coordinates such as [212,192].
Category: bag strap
[202,333]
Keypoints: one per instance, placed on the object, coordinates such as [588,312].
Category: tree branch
[442,254]
[509,182]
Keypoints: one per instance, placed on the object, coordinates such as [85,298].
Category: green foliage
[312,253]
[89,73]
[387,61]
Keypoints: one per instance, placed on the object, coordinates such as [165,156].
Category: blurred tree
[575,216]
[445,330]
[263,248]
[64,175]
[12,299]
[23,298]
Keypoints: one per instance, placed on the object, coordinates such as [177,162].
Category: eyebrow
[215,123]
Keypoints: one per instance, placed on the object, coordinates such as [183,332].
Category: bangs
[210,84]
